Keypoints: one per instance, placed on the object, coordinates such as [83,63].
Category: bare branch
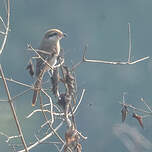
[50,125]
[9,137]
[29,46]
[43,139]
[114,62]
[137,109]
[17,82]
[148,107]
[75,109]
[117,62]
[13,110]
[3,33]
[51,106]
[7,27]
[130,45]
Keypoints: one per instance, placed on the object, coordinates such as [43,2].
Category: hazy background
[103,25]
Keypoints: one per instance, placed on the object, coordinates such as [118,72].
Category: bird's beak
[65,35]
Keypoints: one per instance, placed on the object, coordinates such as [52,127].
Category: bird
[49,50]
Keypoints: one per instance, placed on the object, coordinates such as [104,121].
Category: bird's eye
[52,34]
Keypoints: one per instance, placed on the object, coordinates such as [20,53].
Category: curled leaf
[124,112]
[69,80]
[139,118]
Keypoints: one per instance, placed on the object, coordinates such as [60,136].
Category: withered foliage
[72,140]
[55,80]
[64,100]
[63,75]
[69,79]
[139,118]
[30,68]
[124,112]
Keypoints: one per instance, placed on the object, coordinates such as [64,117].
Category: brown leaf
[139,118]
[71,136]
[69,80]
[55,79]
[124,112]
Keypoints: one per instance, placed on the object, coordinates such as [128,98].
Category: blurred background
[103,26]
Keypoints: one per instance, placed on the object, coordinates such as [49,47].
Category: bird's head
[54,35]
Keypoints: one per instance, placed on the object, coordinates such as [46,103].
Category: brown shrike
[49,50]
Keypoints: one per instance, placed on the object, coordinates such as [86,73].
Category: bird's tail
[37,87]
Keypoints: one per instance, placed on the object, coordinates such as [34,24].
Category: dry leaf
[139,118]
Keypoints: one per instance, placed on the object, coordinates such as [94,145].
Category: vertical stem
[13,110]
[129,51]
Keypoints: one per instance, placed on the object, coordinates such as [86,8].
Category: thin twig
[142,100]
[130,45]
[83,137]
[8,137]
[57,147]
[75,109]
[3,33]
[50,125]
[44,52]
[13,110]
[43,139]
[3,22]
[51,106]
[29,46]
[17,82]
[37,110]
[129,62]
[136,109]
[7,27]
[20,94]
[62,114]
[117,62]
[62,148]
[82,61]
